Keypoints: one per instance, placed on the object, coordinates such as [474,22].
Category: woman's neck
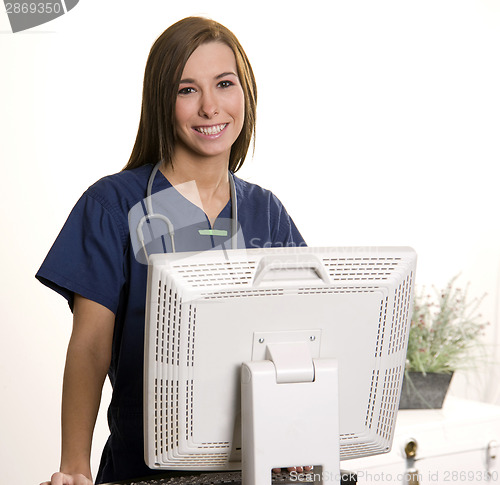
[186,166]
[204,182]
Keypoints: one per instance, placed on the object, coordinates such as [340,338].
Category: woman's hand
[298,469]
[64,479]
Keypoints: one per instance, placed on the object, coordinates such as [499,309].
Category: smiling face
[210,105]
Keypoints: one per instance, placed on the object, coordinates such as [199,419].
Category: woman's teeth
[211,130]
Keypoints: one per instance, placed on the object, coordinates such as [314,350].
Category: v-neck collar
[161,183]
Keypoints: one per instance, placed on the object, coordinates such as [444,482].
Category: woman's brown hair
[156,135]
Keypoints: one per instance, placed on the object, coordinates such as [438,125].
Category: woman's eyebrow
[224,74]
[219,76]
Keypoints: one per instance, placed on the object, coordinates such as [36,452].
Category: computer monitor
[334,318]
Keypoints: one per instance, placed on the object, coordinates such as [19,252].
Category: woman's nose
[208,106]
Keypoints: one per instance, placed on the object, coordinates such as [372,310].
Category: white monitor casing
[208,313]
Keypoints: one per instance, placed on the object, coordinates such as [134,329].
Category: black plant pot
[424,391]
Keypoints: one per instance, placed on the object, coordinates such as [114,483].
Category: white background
[378,124]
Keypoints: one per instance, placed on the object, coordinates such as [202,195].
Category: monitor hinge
[292,360]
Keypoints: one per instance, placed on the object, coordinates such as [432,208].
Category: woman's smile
[213,131]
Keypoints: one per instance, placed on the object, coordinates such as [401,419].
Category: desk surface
[226,478]
[204,478]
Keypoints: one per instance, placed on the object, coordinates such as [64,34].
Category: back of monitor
[209,312]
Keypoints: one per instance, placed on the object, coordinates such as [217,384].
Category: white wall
[378,124]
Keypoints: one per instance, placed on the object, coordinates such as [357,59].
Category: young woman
[197,120]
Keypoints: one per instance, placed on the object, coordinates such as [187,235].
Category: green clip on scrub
[212,232]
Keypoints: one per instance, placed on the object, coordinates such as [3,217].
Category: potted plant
[445,336]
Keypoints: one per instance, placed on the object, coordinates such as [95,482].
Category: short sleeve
[285,231]
[88,256]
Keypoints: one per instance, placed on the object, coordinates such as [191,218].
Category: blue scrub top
[96,257]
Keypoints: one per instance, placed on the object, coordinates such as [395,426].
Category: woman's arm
[87,363]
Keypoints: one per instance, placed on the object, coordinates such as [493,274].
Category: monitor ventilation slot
[282,291]
[160,323]
[402,299]
[217,274]
[336,290]
[358,449]
[189,408]
[380,329]
[392,383]
[359,269]
[158,416]
[217,295]
[371,399]
[191,334]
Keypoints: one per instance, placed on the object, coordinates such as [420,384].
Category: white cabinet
[459,444]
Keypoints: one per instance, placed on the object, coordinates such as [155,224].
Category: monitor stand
[290,414]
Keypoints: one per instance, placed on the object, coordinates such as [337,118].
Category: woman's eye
[184,91]
[225,84]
